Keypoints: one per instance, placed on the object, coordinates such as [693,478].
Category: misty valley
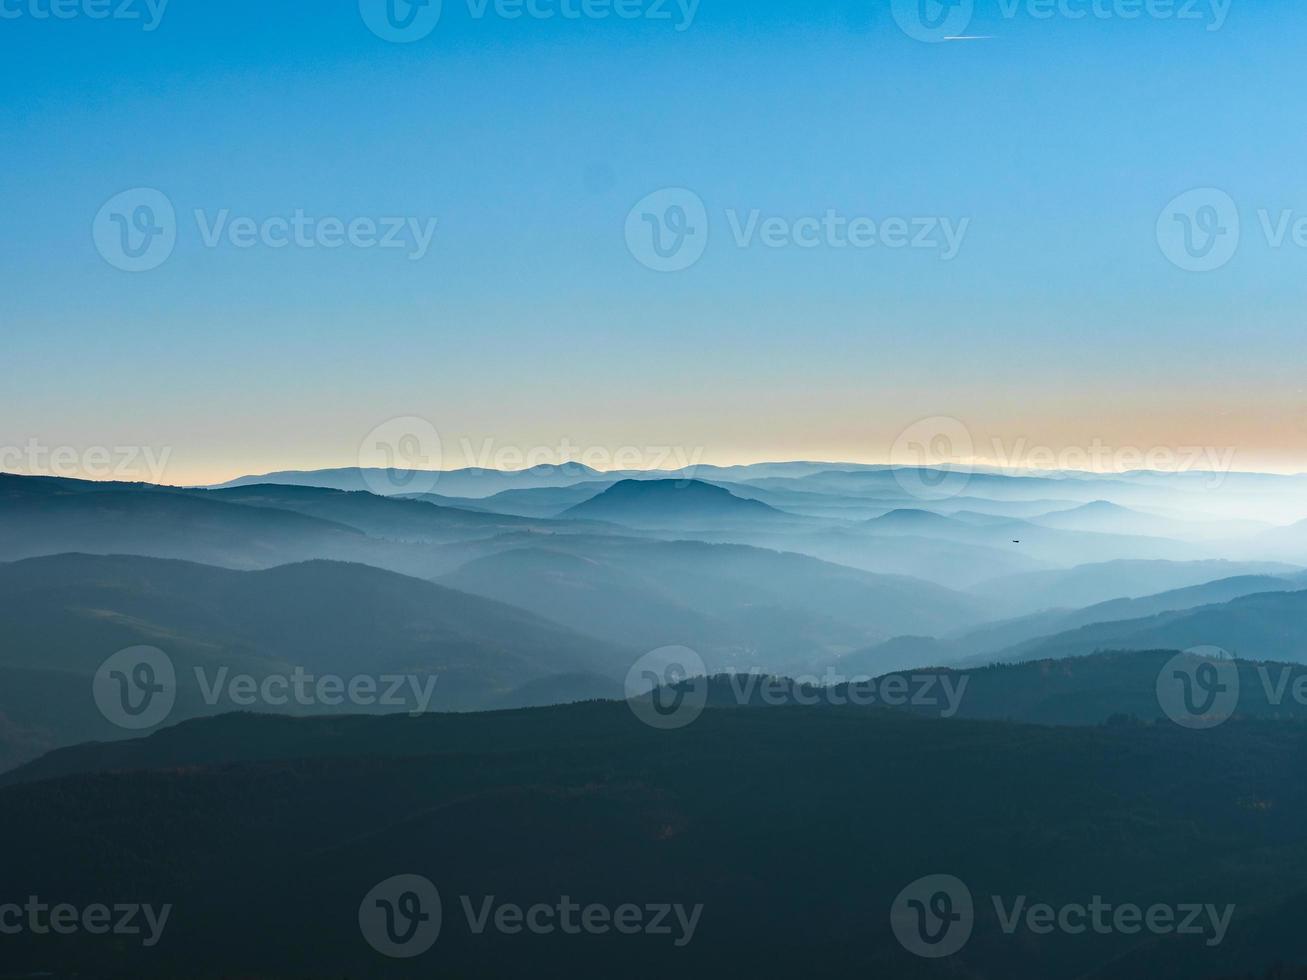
[991,720]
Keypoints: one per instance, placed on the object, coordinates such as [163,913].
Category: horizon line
[687,472]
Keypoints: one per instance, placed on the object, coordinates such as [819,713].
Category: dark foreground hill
[792,830]
[1117,688]
[61,617]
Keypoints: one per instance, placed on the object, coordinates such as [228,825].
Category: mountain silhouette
[655,503]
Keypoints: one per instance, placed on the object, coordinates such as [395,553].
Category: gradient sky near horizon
[529,323]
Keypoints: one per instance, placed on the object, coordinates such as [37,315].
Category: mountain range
[1029,617]
[595,571]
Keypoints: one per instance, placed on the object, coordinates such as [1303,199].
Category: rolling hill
[1095,582]
[736,605]
[922,522]
[247,527]
[469,481]
[42,517]
[1261,626]
[663,503]
[978,644]
[534,502]
[62,616]
[1105,517]
[392,518]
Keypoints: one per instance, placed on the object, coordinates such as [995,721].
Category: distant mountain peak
[669,499]
[910,516]
[1100,507]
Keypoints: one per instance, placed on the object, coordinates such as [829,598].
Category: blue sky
[528,321]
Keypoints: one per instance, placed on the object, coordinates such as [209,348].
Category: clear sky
[1050,144]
